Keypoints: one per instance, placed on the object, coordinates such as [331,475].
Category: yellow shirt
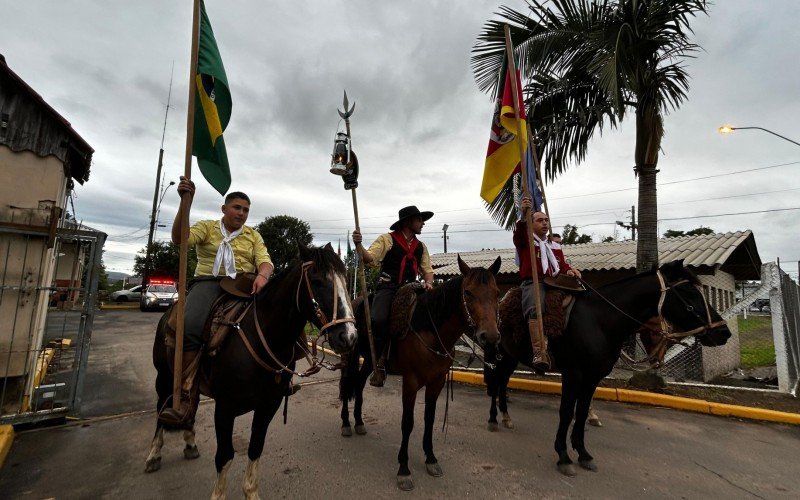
[381,246]
[249,250]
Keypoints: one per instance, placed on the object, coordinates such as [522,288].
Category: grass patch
[754,355]
[755,341]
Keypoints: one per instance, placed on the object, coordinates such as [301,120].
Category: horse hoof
[191,452]
[493,427]
[361,429]
[595,422]
[588,465]
[405,483]
[347,431]
[507,423]
[434,470]
[152,465]
[567,470]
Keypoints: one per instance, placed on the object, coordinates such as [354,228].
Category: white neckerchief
[225,251]
[548,258]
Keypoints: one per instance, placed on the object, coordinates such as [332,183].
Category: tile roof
[733,252]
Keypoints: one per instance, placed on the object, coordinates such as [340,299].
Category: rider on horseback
[224,247]
[402,258]
[550,261]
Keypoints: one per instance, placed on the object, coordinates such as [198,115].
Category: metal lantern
[340,159]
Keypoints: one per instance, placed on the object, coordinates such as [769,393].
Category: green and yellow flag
[212,109]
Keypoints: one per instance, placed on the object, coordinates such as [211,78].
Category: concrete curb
[6,439]
[646,398]
[117,306]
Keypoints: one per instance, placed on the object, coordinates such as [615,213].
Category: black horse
[244,375]
[600,322]
[424,356]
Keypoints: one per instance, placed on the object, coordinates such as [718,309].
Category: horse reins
[667,337]
[315,364]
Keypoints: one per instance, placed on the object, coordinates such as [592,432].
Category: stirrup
[540,364]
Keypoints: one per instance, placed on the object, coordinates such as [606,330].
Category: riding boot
[190,393]
[379,374]
[541,360]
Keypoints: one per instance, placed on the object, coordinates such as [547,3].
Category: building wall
[720,289]
[29,187]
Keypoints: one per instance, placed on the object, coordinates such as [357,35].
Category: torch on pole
[345,163]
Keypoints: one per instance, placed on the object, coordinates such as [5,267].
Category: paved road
[641,451]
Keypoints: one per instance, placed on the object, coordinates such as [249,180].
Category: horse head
[322,297]
[684,305]
[479,293]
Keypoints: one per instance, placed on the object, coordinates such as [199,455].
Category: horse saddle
[557,310]
[403,306]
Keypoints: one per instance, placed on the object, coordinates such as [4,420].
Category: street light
[728,129]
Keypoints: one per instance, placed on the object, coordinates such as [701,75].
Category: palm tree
[588,65]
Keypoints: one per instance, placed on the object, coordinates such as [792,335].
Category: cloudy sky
[420,126]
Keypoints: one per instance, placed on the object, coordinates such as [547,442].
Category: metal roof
[732,252]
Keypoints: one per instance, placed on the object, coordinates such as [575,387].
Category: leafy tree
[571,236]
[590,65]
[281,234]
[608,239]
[165,260]
[674,233]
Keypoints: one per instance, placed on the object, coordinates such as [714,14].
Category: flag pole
[536,164]
[185,206]
[512,73]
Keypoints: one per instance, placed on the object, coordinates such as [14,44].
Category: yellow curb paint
[646,398]
[6,439]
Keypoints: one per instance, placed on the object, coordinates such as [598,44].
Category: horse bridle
[315,364]
[667,336]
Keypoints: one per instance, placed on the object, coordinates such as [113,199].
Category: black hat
[407,212]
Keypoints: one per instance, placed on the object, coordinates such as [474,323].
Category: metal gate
[48,299]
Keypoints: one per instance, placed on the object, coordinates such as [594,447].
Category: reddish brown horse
[424,356]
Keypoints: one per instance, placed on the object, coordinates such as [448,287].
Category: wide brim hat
[240,286]
[407,212]
[564,282]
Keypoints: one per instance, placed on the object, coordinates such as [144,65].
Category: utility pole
[632,226]
[444,229]
[147,263]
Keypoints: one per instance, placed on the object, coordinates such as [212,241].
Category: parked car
[761,305]
[158,295]
[130,295]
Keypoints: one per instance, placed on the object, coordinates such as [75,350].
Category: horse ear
[673,268]
[305,253]
[495,268]
[462,266]
[329,246]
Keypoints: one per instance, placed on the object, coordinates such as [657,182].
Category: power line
[737,213]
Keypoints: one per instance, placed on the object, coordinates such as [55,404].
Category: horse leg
[508,368]
[361,381]
[491,377]
[153,462]
[565,414]
[432,392]
[410,388]
[190,451]
[347,430]
[593,418]
[223,427]
[584,400]
[262,416]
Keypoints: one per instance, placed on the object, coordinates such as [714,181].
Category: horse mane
[689,274]
[326,261]
[439,301]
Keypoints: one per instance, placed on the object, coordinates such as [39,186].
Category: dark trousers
[381,310]
[199,300]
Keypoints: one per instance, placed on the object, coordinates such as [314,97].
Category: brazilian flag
[212,109]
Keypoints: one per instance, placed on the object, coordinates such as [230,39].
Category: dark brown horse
[601,321]
[424,356]
[252,368]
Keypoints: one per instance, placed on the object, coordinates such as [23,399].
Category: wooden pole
[537,165]
[362,278]
[186,200]
[512,73]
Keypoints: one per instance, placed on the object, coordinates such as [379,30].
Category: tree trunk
[649,131]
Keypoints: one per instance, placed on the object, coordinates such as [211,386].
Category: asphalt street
[640,451]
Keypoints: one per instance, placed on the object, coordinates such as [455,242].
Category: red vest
[521,244]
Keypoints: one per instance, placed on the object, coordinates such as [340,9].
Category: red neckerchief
[409,249]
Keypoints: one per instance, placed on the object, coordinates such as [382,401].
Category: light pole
[728,129]
[444,229]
